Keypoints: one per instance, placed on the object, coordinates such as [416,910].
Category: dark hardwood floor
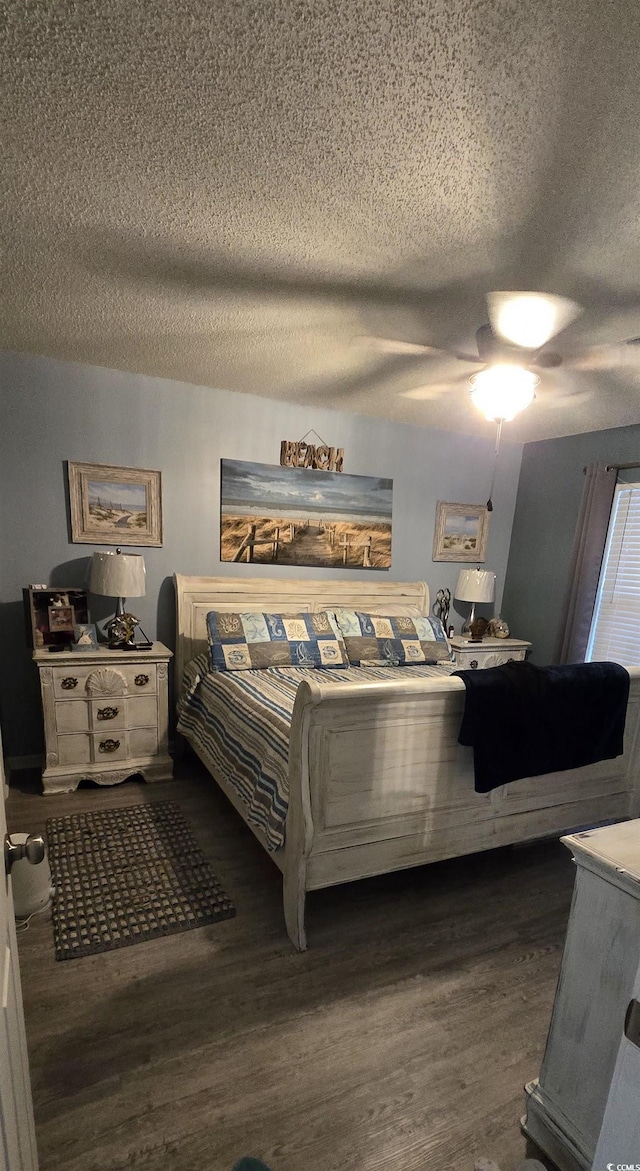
[400,1040]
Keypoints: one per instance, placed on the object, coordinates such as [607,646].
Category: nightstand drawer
[142,711]
[104,681]
[480,659]
[140,677]
[89,680]
[106,713]
[99,748]
[143,742]
[108,745]
[82,716]
[87,749]
[71,681]
[99,715]
[489,652]
[73,749]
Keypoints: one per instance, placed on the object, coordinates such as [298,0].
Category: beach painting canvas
[299,516]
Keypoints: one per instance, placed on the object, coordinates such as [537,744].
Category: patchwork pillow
[250,641]
[396,640]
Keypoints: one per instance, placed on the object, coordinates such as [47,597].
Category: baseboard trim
[16,763]
[36,760]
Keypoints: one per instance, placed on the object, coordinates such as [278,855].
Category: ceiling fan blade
[434,390]
[530,320]
[384,345]
[577,399]
[559,387]
[612,357]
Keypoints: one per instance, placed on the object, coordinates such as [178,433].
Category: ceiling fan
[513,345]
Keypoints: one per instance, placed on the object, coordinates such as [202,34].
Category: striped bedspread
[241,721]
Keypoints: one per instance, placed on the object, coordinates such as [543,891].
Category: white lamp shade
[118,575]
[475,585]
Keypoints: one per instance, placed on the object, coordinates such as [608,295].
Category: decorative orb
[500,628]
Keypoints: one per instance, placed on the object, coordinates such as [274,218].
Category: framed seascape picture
[115,506]
[461,532]
[300,516]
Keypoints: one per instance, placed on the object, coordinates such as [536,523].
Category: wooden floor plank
[401,1040]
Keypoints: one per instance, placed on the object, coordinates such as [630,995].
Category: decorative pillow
[249,641]
[377,640]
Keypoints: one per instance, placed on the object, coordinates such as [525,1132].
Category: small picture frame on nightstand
[84,637]
[51,612]
[60,618]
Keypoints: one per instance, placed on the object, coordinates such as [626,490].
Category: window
[615,628]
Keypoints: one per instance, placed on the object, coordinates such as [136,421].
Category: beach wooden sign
[298,454]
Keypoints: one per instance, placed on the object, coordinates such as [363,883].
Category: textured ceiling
[233,193]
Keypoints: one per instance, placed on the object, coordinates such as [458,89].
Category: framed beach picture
[461,532]
[300,516]
[115,506]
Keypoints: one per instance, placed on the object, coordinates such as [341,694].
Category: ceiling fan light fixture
[530,320]
[501,391]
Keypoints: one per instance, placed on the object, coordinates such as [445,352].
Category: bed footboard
[378,782]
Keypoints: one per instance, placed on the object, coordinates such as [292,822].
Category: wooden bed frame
[377,780]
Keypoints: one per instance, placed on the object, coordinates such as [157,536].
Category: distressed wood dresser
[566,1105]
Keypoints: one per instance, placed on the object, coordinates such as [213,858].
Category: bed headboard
[195,596]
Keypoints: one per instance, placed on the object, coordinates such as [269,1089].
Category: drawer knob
[473,664]
[141,680]
[109,745]
[69,683]
[107,713]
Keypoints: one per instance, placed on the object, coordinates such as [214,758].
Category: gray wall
[55,411]
[551,482]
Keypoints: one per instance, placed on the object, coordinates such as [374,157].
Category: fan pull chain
[495,464]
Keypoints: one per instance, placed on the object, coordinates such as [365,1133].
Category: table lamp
[119,575]
[474,585]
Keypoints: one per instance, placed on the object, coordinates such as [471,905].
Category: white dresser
[490,652]
[106,716]
[566,1105]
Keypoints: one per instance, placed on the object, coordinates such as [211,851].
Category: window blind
[615,628]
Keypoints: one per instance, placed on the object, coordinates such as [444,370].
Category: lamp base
[122,634]
[121,631]
[466,626]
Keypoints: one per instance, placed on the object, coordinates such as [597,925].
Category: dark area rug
[122,876]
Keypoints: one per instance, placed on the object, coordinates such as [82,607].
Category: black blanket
[523,720]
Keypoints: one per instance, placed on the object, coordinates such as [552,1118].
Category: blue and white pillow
[378,640]
[251,641]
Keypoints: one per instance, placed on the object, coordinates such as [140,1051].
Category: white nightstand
[491,652]
[106,716]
